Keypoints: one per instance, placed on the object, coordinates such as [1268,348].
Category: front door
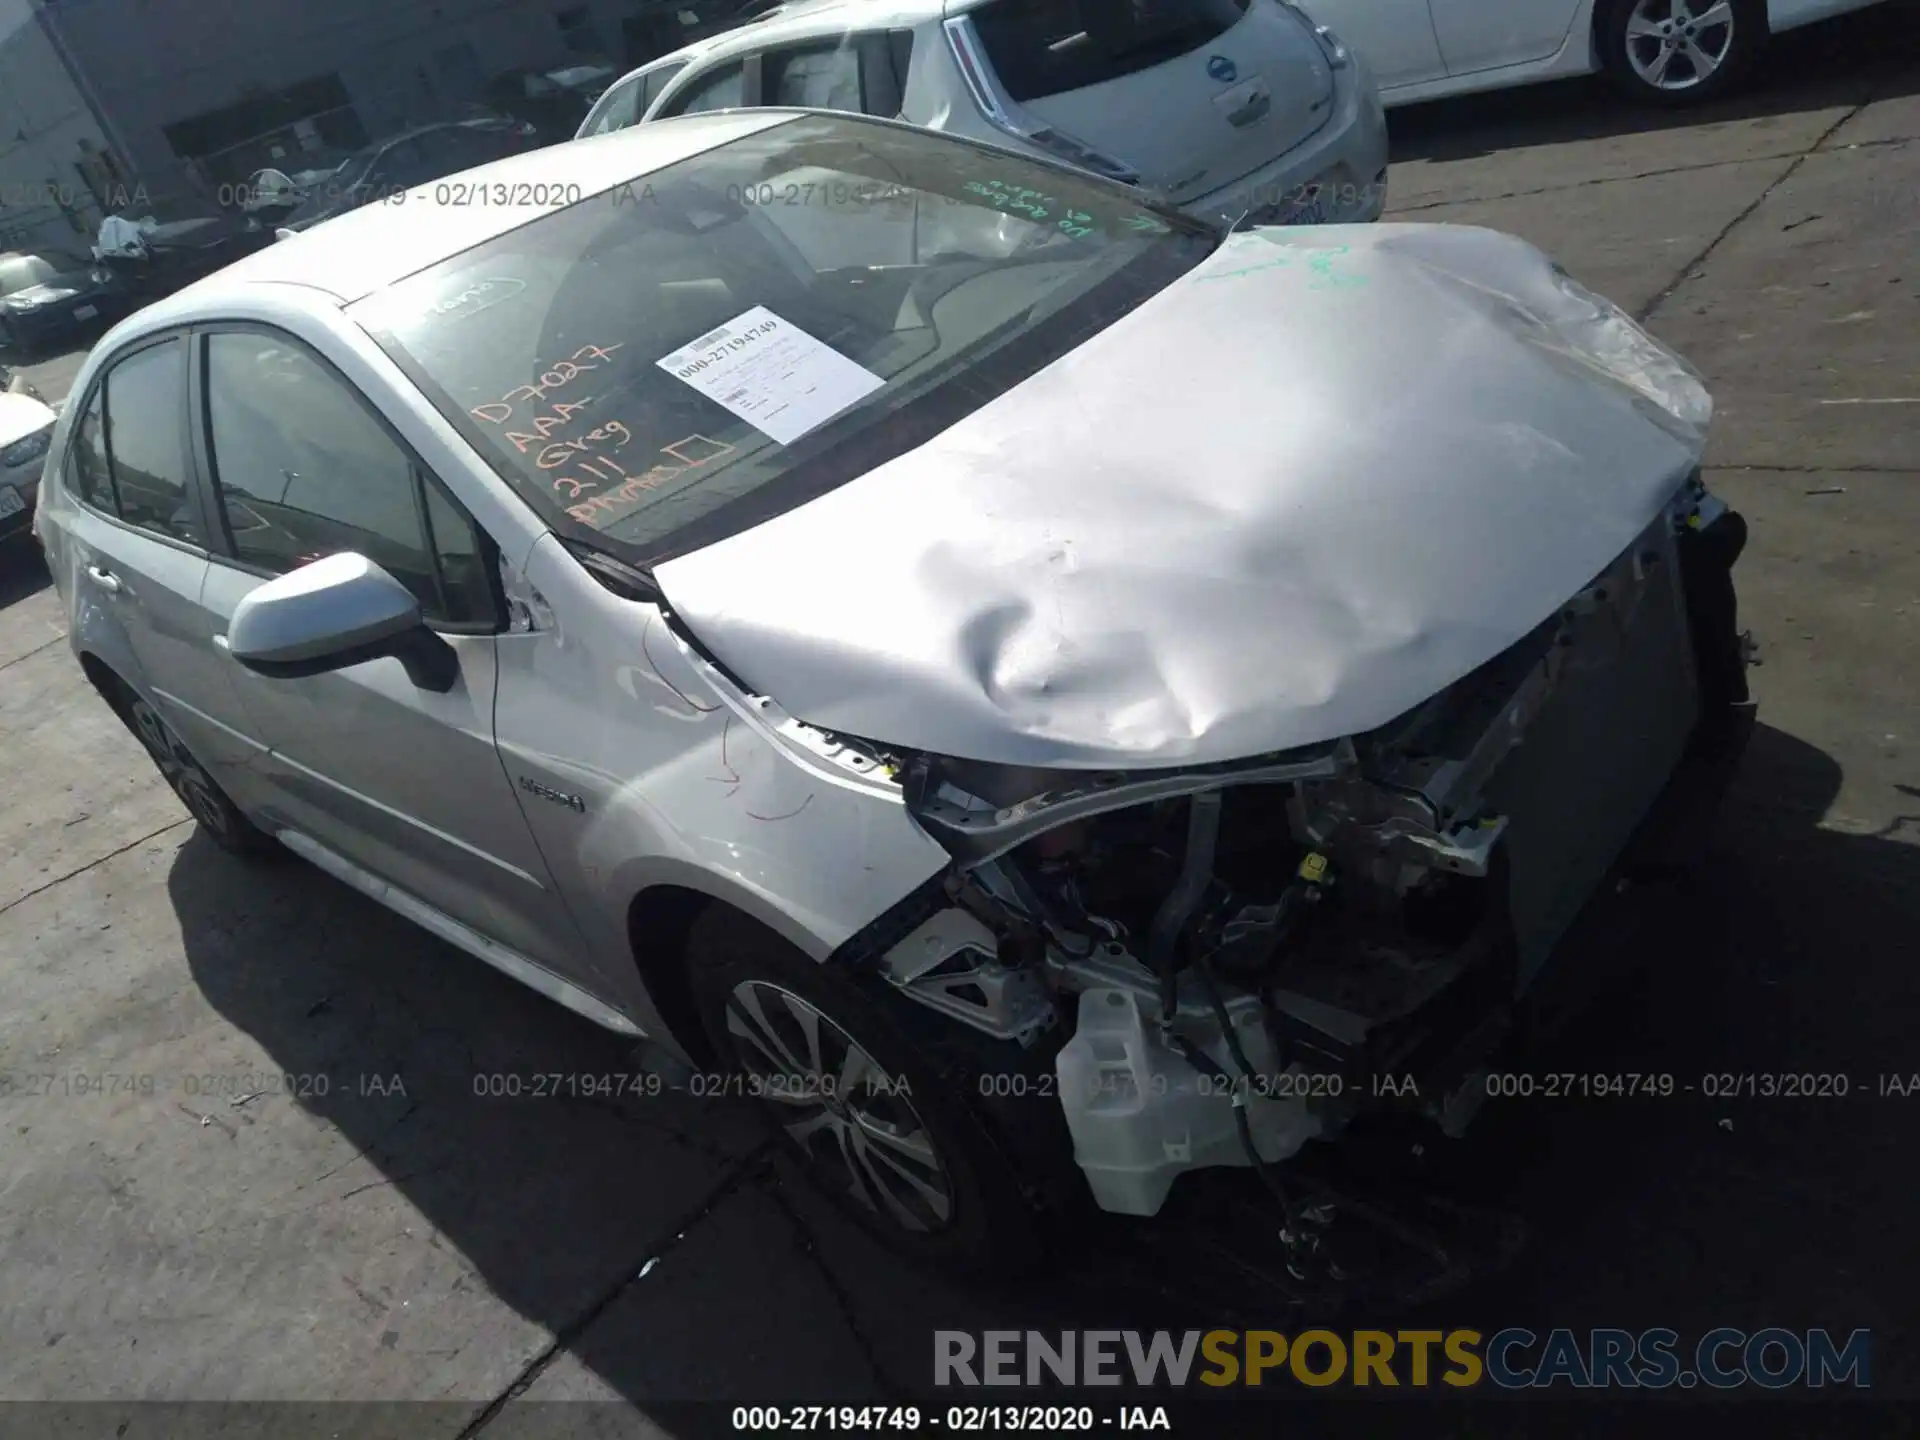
[403,781]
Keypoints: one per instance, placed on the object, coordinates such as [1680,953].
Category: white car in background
[1231,109]
[1667,52]
[26,431]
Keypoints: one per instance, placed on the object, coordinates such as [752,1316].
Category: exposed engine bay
[1229,961]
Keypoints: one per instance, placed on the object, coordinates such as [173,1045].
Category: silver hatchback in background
[1069,706]
[1227,108]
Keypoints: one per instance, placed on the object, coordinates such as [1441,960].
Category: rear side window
[1048,47]
[823,77]
[145,402]
[724,90]
[657,82]
[303,470]
[88,459]
[620,107]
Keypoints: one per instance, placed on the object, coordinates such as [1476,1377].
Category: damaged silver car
[1019,681]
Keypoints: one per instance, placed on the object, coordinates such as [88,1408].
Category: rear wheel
[1679,52]
[871,1120]
[218,816]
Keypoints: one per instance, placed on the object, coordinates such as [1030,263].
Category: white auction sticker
[772,374]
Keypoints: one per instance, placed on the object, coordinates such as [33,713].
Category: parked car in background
[50,299]
[389,168]
[1234,109]
[155,249]
[1663,52]
[554,102]
[26,430]
[277,191]
[1189,673]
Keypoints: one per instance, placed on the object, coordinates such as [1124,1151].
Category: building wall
[152,63]
[46,134]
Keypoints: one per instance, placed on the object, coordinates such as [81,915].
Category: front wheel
[1679,52]
[871,1119]
[218,816]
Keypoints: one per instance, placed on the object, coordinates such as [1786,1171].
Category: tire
[219,818]
[967,1213]
[1639,39]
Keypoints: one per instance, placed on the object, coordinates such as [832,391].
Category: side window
[724,89]
[619,108]
[303,470]
[146,457]
[657,82]
[88,457]
[824,77]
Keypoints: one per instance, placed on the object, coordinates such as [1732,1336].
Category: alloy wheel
[1671,46]
[855,1123]
[180,770]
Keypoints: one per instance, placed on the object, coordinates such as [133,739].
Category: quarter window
[145,402]
[303,470]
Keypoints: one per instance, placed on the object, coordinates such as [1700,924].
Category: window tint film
[303,470]
[1048,47]
[145,405]
[676,359]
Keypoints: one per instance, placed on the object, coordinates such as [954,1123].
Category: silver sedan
[1033,693]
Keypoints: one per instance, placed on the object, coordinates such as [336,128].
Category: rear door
[1486,34]
[143,564]
[1395,37]
[403,781]
[1194,94]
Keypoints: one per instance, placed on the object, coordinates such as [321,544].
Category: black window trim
[96,389]
[225,552]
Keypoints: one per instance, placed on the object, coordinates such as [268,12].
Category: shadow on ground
[1788,952]
[23,570]
[1870,54]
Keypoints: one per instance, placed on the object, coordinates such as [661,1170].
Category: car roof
[379,244]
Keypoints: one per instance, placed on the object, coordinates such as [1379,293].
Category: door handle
[105,579]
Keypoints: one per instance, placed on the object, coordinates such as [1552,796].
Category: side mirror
[340,611]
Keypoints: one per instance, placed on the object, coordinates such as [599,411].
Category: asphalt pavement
[266,1165]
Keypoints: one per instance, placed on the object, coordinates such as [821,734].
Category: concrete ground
[180,1222]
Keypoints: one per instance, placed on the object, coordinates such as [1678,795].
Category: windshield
[681,357]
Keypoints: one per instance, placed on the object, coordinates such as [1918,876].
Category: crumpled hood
[1322,477]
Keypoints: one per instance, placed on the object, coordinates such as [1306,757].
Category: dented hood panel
[1322,477]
